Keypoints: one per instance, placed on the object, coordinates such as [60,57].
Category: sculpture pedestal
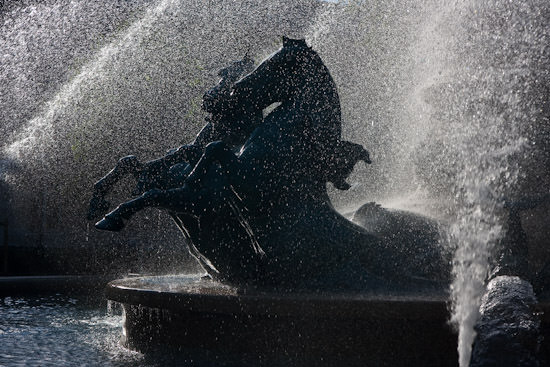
[197,315]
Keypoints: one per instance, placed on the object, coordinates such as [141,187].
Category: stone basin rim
[305,305]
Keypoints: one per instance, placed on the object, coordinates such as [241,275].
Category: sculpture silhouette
[263,216]
[228,125]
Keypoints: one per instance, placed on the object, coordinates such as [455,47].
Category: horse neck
[319,89]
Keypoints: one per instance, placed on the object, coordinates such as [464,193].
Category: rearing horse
[230,126]
[263,215]
[293,151]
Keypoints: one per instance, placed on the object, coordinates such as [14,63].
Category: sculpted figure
[261,216]
[228,125]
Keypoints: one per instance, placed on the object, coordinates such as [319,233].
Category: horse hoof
[98,206]
[110,224]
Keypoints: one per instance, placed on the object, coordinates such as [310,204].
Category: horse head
[215,99]
[280,77]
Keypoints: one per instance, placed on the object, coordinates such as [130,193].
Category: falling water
[491,105]
[463,89]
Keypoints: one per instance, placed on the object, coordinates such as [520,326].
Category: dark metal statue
[228,125]
[262,215]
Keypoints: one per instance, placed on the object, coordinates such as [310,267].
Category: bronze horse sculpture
[226,125]
[262,216]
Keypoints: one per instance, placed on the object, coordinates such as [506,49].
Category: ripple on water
[61,331]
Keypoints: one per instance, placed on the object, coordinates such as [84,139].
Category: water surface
[59,330]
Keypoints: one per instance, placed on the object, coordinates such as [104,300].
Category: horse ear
[286,41]
[366,156]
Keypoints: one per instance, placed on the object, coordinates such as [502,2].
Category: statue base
[196,315]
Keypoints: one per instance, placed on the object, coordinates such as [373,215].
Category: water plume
[449,98]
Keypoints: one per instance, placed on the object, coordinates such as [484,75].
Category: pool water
[65,330]
[58,330]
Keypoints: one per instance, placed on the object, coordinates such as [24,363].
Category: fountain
[264,245]
[450,102]
[266,232]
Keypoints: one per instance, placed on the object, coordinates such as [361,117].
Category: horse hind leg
[219,152]
[180,200]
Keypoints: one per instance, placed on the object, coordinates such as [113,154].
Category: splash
[474,235]
[445,97]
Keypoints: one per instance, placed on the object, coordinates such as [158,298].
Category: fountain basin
[220,322]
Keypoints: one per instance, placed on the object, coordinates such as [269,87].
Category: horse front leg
[98,205]
[169,171]
[180,200]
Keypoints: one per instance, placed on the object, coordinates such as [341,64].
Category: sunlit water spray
[487,102]
[449,110]
[139,93]
[40,133]
[449,100]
